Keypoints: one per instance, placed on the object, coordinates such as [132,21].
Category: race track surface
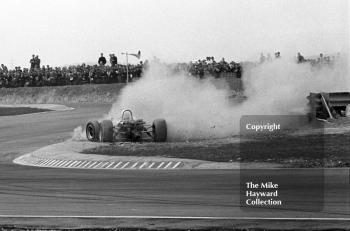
[82,192]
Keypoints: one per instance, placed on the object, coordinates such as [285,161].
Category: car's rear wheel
[106,133]
[159,128]
[93,131]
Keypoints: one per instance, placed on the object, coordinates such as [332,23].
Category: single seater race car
[127,129]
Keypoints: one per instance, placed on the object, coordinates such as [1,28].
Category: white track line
[177,164]
[91,164]
[144,163]
[161,164]
[53,163]
[110,165]
[40,162]
[150,166]
[105,164]
[47,162]
[82,163]
[37,161]
[74,162]
[56,163]
[67,164]
[98,165]
[125,165]
[94,164]
[63,162]
[119,163]
[78,164]
[166,166]
[134,165]
[86,164]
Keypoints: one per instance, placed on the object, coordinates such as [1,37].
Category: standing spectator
[300,58]
[113,60]
[321,57]
[102,60]
[32,62]
[238,70]
[37,62]
[278,55]
[4,68]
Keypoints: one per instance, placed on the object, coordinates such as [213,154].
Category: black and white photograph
[175,115]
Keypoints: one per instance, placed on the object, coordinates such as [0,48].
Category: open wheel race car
[127,129]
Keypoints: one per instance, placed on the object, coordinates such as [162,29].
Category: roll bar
[127,110]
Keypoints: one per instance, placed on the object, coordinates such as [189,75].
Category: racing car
[127,129]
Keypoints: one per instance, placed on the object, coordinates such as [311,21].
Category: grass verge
[329,150]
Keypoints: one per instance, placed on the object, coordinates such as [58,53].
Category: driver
[126,116]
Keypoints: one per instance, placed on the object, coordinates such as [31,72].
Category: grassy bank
[94,93]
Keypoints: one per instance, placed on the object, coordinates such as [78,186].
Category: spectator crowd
[209,66]
[319,61]
[37,75]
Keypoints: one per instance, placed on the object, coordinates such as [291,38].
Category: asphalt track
[193,194]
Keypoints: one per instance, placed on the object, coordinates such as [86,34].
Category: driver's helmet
[126,116]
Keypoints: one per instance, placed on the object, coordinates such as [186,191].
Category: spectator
[37,62]
[113,60]
[102,60]
[300,58]
[278,55]
[32,62]
[116,73]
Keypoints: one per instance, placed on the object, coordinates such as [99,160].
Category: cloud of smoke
[281,86]
[199,109]
[193,108]
[79,134]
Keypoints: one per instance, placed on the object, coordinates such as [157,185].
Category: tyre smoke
[192,108]
[202,109]
[78,134]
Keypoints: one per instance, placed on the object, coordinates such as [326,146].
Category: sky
[64,32]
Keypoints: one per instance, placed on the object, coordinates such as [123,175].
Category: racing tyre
[106,133]
[93,131]
[159,130]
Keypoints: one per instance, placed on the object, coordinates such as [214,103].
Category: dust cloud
[281,86]
[78,134]
[192,108]
[200,109]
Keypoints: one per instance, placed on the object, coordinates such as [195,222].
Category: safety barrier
[329,105]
